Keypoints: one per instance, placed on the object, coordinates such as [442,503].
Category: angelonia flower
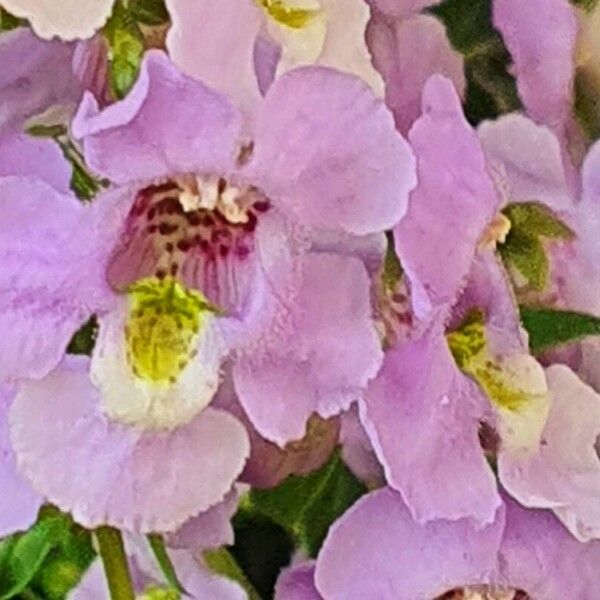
[262,39]
[208,247]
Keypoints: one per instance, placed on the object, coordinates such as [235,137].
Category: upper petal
[405,71]
[453,202]
[377,550]
[67,19]
[327,152]
[541,35]
[105,473]
[526,161]
[423,416]
[35,75]
[168,124]
[214,42]
[297,582]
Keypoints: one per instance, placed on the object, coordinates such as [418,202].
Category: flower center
[162,329]
[484,593]
[197,230]
[291,14]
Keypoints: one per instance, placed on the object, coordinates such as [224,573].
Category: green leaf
[527,255]
[22,555]
[536,219]
[222,562]
[587,105]
[262,548]
[548,327]
[125,50]
[491,89]
[84,339]
[530,224]
[149,12]
[392,269]
[307,506]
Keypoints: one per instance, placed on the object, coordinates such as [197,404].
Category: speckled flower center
[484,593]
[163,324]
[197,230]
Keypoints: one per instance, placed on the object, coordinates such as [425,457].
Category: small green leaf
[125,49]
[9,22]
[307,506]
[392,269]
[222,562]
[548,327]
[149,12]
[22,555]
[527,255]
[536,219]
[531,223]
[84,339]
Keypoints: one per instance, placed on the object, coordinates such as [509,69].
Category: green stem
[164,562]
[112,552]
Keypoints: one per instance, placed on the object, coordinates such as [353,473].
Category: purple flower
[464,362]
[209,246]
[259,40]
[377,550]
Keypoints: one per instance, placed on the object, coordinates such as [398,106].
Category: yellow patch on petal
[162,328]
[515,385]
[288,14]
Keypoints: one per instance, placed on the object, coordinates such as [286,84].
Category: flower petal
[405,71]
[423,416]
[541,35]
[52,279]
[526,161]
[105,473]
[19,503]
[167,124]
[540,557]
[35,75]
[324,357]
[565,473]
[377,550]
[202,30]
[345,167]
[454,201]
[28,156]
[209,529]
[69,19]
[297,583]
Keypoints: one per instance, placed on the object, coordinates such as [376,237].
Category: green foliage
[47,561]
[307,506]
[125,49]
[262,548]
[587,104]
[587,5]
[548,327]
[149,12]
[84,339]
[491,90]
[221,561]
[531,224]
[9,22]
[392,269]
